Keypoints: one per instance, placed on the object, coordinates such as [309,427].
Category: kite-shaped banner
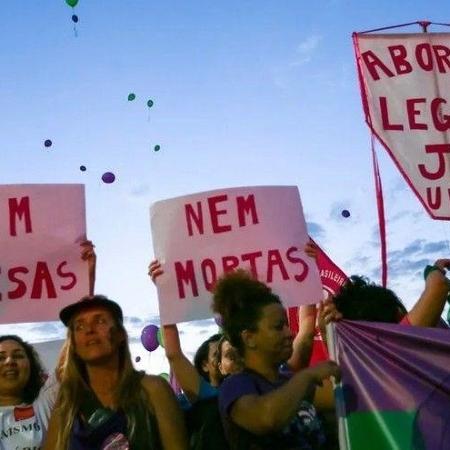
[405,87]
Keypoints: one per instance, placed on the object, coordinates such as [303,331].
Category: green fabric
[386,430]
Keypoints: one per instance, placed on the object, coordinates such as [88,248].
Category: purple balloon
[345,213]
[108,177]
[149,337]
[218,319]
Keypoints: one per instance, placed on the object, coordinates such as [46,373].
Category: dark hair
[359,299]
[201,355]
[239,299]
[37,373]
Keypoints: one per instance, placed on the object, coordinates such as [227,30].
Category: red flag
[333,278]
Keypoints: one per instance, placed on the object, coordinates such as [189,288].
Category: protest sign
[199,237]
[405,81]
[41,270]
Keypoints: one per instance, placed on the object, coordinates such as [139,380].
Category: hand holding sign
[41,269]
[201,236]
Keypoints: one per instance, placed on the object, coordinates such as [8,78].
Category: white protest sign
[405,86]
[199,237]
[41,270]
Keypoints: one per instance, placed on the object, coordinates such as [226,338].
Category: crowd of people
[248,387]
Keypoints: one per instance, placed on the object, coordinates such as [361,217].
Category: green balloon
[72,3]
[157,148]
[150,103]
[160,338]
[131,97]
[165,376]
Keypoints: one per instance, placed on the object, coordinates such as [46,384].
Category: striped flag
[395,389]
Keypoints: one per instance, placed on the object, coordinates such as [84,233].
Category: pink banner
[405,80]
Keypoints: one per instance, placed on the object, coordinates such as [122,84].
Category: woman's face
[272,338]
[230,360]
[210,364]
[96,335]
[14,368]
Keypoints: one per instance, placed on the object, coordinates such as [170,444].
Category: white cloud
[305,50]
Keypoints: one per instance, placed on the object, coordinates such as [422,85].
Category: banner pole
[344,441]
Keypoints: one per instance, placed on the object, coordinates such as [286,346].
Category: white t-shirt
[24,427]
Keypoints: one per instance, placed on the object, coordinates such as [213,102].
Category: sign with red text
[41,270]
[405,86]
[199,237]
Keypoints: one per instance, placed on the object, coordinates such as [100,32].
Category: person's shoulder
[153,383]
[236,378]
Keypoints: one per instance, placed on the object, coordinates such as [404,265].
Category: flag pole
[344,441]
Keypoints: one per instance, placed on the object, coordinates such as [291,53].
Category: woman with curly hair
[103,403]
[26,398]
[261,407]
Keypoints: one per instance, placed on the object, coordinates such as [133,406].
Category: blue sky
[245,93]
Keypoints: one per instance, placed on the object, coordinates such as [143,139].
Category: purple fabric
[84,438]
[389,367]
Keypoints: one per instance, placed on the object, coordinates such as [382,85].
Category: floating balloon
[83,168]
[157,148]
[131,97]
[72,3]
[137,359]
[150,103]
[345,213]
[74,18]
[160,337]
[108,177]
[48,143]
[149,337]
[165,376]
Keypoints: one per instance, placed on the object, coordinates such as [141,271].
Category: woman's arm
[168,414]
[88,254]
[186,374]
[262,414]
[303,342]
[54,426]
[428,309]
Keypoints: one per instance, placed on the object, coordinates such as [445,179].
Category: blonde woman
[103,402]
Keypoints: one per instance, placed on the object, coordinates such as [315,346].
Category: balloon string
[75,31]
[423,23]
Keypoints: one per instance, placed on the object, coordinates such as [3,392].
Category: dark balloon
[149,337]
[150,103]
[83,168]
[48,143]
[75,18]
[138,358]
[218,319]
[345,213]
[131,97]
[108,177]
[157,148]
